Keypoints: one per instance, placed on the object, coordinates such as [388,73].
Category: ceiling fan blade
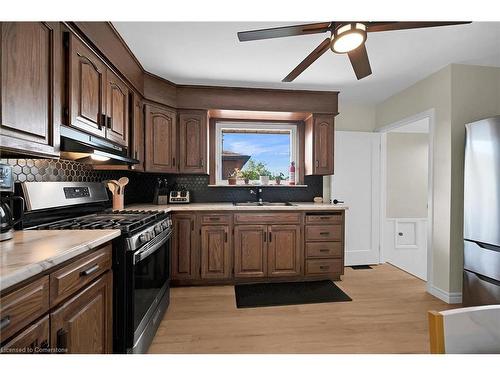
[390,26]
[312,57]
[280,32]
[360,62]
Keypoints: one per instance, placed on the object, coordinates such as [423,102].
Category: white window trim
[220,126]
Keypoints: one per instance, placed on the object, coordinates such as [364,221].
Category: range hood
[85,148]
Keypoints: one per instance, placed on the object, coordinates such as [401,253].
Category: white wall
[432,92]
[407,168]
[458,94]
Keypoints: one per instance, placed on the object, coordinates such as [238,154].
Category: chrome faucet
[258,194]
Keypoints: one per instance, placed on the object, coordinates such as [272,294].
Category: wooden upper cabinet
[184,248]
[193,129]
[319,144]
[87,88]
[215,252]
[161,150]
[83,324]
[117,99]
[284,250]
[250,251]
[31,74]
[137,116]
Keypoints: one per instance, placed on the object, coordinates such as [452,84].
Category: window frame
[253,125]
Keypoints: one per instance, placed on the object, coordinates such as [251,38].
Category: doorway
[406,194]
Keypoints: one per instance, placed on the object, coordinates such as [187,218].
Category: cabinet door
[193,142]
[323,144]
[117,96]
[34,339]
[284,250]
[138,133]
[215,254]
[250,251]
[83,324]
[30,81]
[184,248]
[161,140]
[86,88]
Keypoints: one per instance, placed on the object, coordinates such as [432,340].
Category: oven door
[151,276]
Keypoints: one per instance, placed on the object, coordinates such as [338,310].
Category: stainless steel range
[141,255]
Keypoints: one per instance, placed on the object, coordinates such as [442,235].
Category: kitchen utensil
[112,187]
[121,183]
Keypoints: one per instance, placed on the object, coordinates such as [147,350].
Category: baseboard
[448,297]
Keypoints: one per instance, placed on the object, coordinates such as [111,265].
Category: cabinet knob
[4,323]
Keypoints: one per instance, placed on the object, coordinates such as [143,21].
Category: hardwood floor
[388,314]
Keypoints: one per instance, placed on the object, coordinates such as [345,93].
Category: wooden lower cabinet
[33,339]
[250,251]
[83,324]
[256,246]
[184,248]
[215,252]
[284,251]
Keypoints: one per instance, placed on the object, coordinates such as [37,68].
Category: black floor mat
[361,267]
[296,293]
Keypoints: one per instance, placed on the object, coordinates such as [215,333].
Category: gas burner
[126,220]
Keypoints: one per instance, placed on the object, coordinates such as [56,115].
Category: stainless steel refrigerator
[481,285]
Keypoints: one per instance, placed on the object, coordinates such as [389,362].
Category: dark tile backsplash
[141,186]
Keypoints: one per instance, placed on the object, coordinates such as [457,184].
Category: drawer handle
[324,250]
[324,217]
[214,218]
[4,323]
[324,267]
[61,338]
[324,233]
[89,270]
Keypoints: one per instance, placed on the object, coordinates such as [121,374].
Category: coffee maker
[7,201]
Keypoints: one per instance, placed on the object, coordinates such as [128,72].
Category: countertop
[31,252]
[298,206]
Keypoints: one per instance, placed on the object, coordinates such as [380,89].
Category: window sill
[258,185]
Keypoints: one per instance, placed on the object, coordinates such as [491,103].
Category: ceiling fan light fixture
[348,37]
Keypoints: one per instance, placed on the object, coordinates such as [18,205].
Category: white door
[357,182]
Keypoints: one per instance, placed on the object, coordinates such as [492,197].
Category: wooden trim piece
[436,332]
[256,99]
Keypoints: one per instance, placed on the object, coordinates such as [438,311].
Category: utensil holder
[118,202]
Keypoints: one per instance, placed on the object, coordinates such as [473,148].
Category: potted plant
[233,177]
[246,176]
[278,178]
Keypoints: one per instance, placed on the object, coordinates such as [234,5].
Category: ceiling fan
[345,37]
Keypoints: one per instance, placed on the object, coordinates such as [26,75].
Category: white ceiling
[209,53]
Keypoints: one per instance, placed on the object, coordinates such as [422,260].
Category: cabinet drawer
[324,249]
[324,232]
[330,218]
[33,339]
[215,219]
[323,266]
[266,218]
[74,276]
[21,307]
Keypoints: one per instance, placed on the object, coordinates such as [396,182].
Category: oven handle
[145,252]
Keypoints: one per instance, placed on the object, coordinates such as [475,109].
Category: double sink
[258,204]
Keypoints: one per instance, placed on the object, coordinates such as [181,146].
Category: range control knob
[158,229]
[143,238]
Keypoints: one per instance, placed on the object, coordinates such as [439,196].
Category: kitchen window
[253,149]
